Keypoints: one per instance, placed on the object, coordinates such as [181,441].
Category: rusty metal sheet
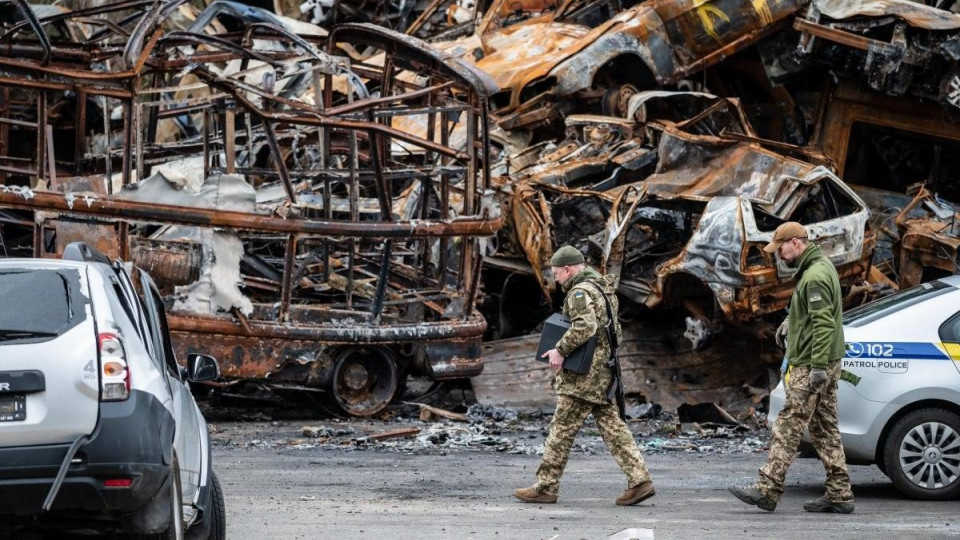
[653,369]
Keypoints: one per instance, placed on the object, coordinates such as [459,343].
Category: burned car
[436,20]
[679,205]
[928,246]
[593,55]
[897,47]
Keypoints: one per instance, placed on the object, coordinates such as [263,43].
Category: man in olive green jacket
[580,395]
[815,347]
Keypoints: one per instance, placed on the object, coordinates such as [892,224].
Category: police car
[899,393]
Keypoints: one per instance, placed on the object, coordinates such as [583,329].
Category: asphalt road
[322,493]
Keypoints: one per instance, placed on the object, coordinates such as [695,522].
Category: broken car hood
[522,49]
[918,15]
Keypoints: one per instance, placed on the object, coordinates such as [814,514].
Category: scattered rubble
[428,413]
[489,429]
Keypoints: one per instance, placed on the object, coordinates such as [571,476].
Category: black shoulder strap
[611,328]
[615,390]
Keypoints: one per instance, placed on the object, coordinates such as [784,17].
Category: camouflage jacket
[587,312]
[815,330]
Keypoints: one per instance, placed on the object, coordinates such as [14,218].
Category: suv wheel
[922,454]
[218,512]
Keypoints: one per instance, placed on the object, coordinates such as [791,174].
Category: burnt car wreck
[679,205]
[250,173]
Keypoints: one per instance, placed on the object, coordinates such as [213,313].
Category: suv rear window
[40,304]
[878,309]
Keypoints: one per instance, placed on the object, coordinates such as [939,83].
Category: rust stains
[251,173]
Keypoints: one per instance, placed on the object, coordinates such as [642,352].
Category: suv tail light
[114,374]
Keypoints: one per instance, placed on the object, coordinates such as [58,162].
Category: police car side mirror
[202,367]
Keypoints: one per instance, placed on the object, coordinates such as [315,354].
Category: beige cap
[784,233]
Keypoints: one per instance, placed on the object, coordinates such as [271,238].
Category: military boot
[636,494]
[531,495]
[752,495]
[824,505]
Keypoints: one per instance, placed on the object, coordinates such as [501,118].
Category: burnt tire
[922,454]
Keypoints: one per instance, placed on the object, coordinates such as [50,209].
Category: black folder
[553,329]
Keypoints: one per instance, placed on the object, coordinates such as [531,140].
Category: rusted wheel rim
[617,102]
[364,380]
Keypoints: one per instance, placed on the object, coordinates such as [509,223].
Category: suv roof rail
[80,251]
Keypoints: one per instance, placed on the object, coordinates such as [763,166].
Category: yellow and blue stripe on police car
[891,357]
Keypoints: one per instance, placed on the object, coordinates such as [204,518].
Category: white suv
[98,428]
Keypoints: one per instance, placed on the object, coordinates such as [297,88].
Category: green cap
[566,256]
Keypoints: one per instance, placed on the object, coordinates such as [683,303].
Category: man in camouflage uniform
[814,348]
[580,395]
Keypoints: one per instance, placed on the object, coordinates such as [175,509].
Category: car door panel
[187,438]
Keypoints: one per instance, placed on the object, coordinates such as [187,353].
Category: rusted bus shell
[360,249]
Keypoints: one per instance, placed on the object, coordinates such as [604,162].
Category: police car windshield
[878,309]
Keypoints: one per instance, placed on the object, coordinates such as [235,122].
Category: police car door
[897,349]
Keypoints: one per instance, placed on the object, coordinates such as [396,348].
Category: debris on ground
[488,429]
[705,413]
[428,413]
[386,435]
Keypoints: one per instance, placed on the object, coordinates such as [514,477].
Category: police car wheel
[922,454]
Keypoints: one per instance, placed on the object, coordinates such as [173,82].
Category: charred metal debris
[297,236]
[334,194]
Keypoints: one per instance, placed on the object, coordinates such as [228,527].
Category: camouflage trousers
[817,412]
[569,417]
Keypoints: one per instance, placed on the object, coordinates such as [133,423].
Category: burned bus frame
[400,234]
